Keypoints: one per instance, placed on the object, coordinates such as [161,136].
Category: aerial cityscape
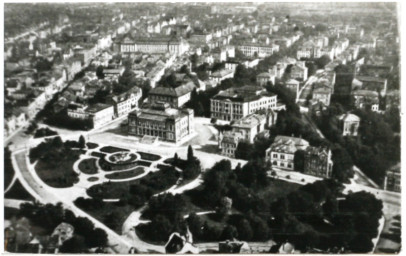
[202,128]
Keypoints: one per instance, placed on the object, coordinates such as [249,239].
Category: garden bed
[153,182]
[125,174]
[98,154]
[111,149]
[149,156]
[58,173]
[88,166]
[91,145]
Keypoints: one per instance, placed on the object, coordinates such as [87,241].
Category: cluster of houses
[41,63]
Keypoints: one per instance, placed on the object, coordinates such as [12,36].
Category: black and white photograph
[201,127]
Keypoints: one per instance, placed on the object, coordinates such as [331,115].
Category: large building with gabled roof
[161,121]
[236,103]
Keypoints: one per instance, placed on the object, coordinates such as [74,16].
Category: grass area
[125,174]
[115,220]
[92,179]
[88,166]
[149,157]
[144,163]
[10,212]
[277,189]
[111,149]
[98,154]
[91,145]
[58,173]
[17,191]
[156,181]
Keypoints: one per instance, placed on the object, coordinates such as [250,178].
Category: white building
[282,151]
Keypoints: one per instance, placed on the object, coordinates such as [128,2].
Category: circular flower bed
[121,158]
[92,179]
[118,161]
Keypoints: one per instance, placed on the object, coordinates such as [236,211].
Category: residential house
[349,123]
[317,162]
[175,97]
[178,244]
[393,179]
[125,102]
[264,78]
[322,94]
[293,85]
[299,71]
[365,99]
[281,153]
[221,75]
[375,84]
[234,247]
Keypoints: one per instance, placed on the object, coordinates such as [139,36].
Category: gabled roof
[348,117]
[176,92]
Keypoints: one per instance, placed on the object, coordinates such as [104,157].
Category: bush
[44,132]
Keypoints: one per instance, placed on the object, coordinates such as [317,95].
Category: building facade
[236,103]
[281,153]
[175,97]
[162,121]
[350,124]
[393,179]
[317,162]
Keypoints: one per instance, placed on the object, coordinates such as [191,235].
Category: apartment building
[236,103]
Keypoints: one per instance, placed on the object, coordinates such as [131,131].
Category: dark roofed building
[318,162]
[175,97]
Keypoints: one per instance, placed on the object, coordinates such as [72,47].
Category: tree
[195,224]
[99,72]
[76,244]
[299,160]
[160,228]
[244,150]
[229,233]
[342,168]
[322,61]
[175,158]
[190,156]
[82,142]
[244,230]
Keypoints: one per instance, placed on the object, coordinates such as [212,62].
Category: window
[275,155]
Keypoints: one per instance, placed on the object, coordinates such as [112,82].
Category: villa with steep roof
[175,97]
[350,124]
[281,153]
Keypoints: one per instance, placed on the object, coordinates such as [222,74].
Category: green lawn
[58,173]
[148,156]
[111,149]
[277,189]
[125,174]
[88,166]
[156,181]
[17,191]
[91,145]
